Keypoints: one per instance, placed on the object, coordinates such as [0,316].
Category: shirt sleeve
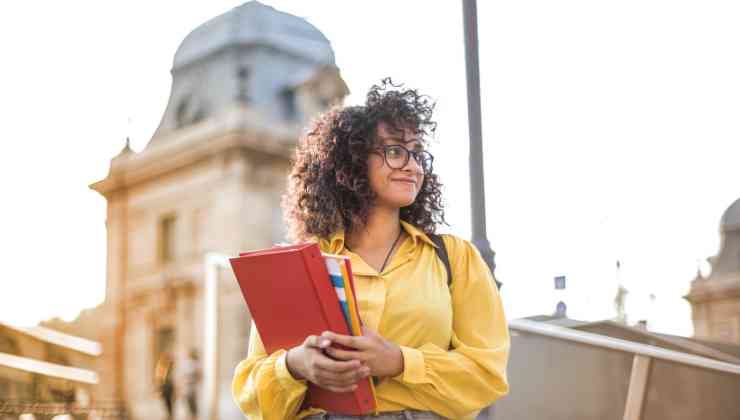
[262,387]
[472,373]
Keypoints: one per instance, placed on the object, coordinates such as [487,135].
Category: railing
[102,410]
[643,355]
[48,369]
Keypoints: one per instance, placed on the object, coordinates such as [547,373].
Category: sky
[610,133]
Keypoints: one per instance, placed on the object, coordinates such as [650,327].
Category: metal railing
[643,356]
[44,368]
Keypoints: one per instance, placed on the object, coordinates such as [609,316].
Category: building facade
[715,299]
[210,180]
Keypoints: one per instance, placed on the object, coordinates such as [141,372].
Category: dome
[731,217]
[255,23]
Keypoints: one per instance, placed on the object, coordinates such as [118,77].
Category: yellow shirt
[454,340]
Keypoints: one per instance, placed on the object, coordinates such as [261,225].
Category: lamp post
[477,187]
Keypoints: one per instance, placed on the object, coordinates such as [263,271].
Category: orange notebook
[290,296]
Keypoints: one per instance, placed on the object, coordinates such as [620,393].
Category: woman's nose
[413,166]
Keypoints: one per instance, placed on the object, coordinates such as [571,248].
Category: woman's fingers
[351,376]
[317,342]
[340,373]
[342,379]
[359,343]
[340,354]
[337,372]
[336,366]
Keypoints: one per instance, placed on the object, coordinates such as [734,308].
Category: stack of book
[296,291]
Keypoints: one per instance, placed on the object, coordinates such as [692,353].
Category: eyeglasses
[397,157]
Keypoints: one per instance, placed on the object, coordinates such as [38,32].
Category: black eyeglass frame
[417,154]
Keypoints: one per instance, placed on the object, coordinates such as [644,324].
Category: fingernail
[324,343]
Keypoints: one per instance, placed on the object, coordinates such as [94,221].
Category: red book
[290,296]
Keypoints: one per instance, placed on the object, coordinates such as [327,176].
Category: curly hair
[328,187]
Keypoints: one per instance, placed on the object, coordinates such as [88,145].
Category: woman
[363,185]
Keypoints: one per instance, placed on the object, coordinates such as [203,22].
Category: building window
[164,341]
[243,79]
[167,238]
[190,111]
[288,99]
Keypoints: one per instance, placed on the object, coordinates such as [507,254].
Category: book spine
[364,396]
[316,267]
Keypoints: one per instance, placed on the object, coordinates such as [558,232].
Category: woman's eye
[393,153]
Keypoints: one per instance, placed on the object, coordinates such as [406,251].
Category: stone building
[244,84]
[715,299]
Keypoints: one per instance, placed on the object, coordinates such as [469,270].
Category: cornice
[727,287]
[237,129]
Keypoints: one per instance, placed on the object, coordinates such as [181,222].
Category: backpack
[441,251]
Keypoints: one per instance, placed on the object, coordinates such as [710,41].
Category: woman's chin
[404,202]
[396,202]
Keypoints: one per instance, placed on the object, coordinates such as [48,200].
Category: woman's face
[395,188]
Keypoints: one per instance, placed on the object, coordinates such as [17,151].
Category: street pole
[477,187]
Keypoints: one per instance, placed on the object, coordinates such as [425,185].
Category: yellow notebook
[355,325]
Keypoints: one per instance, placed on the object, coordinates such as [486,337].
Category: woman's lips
[406,181]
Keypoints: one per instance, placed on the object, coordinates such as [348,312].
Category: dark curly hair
[328,187]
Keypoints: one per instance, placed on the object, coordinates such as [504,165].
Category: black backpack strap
[441,251]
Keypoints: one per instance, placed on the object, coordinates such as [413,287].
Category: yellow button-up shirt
[454,340]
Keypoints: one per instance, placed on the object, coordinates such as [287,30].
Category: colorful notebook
[291,295]
[340,274]
[334,265]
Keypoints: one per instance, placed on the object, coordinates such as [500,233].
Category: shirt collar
[335,242]
[416,234]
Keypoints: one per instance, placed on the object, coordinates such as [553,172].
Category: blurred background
[142,137]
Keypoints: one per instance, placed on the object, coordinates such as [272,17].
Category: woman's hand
[308,361]
[383,357]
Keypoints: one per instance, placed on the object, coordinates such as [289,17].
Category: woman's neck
[382,228]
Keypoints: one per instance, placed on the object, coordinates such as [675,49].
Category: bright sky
[610,129]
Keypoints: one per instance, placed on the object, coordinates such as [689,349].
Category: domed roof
[255,23]
[731,217]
